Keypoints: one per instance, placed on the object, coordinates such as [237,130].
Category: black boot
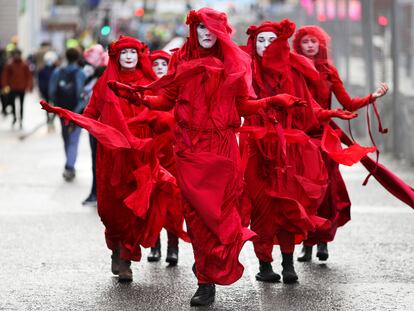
[322,251]
[115,262]
[125,272]
[172,249]
[266,273]
[306,254]
[288,272]
[172,256]
[204,295]
[155,253]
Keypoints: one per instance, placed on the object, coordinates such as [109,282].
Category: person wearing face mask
[313,43]
[209,86]
[286,177]
[133,190]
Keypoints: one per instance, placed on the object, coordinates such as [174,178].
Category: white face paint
[160,67]
[309,45]
[263,40]
[205,38]
[128,59]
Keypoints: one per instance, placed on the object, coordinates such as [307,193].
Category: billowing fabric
[163,123]
[286,177]
[204,85]
[134,191]
[336,205]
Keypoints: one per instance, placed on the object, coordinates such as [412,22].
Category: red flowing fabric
[383,175]
[337,205]
[134,193]
[163,124]
[203,85]
[285,174]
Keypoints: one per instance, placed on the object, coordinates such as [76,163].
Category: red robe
[134,192]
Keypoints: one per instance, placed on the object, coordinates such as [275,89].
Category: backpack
[66,94]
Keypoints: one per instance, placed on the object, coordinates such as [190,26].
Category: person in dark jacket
[65,90]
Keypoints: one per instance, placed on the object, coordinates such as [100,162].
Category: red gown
[286,175]
[336,206]
[134,192]
[204,86]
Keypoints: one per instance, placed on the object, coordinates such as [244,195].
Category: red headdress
[113,71]
[236,62]
[323,56]
[272,71]
[160,54]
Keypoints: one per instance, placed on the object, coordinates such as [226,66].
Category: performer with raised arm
[134,191]
[286,176]
[209,83]
[313,42]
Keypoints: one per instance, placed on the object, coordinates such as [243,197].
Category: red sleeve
[164,101]
[350,104]
[247,107]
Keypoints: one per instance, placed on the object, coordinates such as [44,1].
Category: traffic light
[139,12]
[105,30]
[106,27]
[382,21]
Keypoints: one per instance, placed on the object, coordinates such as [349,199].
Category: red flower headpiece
[125,42]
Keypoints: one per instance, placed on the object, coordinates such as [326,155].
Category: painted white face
[205,38]
[128,59]
[263,40]
[309,45]
[160,67]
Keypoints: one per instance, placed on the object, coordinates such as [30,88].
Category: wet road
[53,255]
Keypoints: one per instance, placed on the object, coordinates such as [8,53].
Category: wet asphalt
[53,255]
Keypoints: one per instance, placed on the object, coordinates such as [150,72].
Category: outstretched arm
[352,104]
[247,107]
[158,102]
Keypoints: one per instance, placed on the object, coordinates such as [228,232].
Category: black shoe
[266,273]
[306,254]
[90,201]
[322,251]
[115,262]
[69,174]
[172,256]
[288,272]
[204,295]
[125,272]
[154,255]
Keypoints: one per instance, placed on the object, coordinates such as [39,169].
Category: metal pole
[398,127]
[367,34]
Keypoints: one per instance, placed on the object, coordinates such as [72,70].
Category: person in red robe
[286,176]
[209,86]
[165,153]
[313,42]
[134,191]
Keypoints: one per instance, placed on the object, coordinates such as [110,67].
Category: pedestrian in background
[50,60]
[17,79]
[3,95]
[65,90]
[96,61]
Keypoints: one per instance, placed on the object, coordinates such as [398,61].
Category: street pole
[367,17]
[398,122]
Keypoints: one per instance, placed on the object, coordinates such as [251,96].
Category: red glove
[325,115]
[284,101]
[125,91]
